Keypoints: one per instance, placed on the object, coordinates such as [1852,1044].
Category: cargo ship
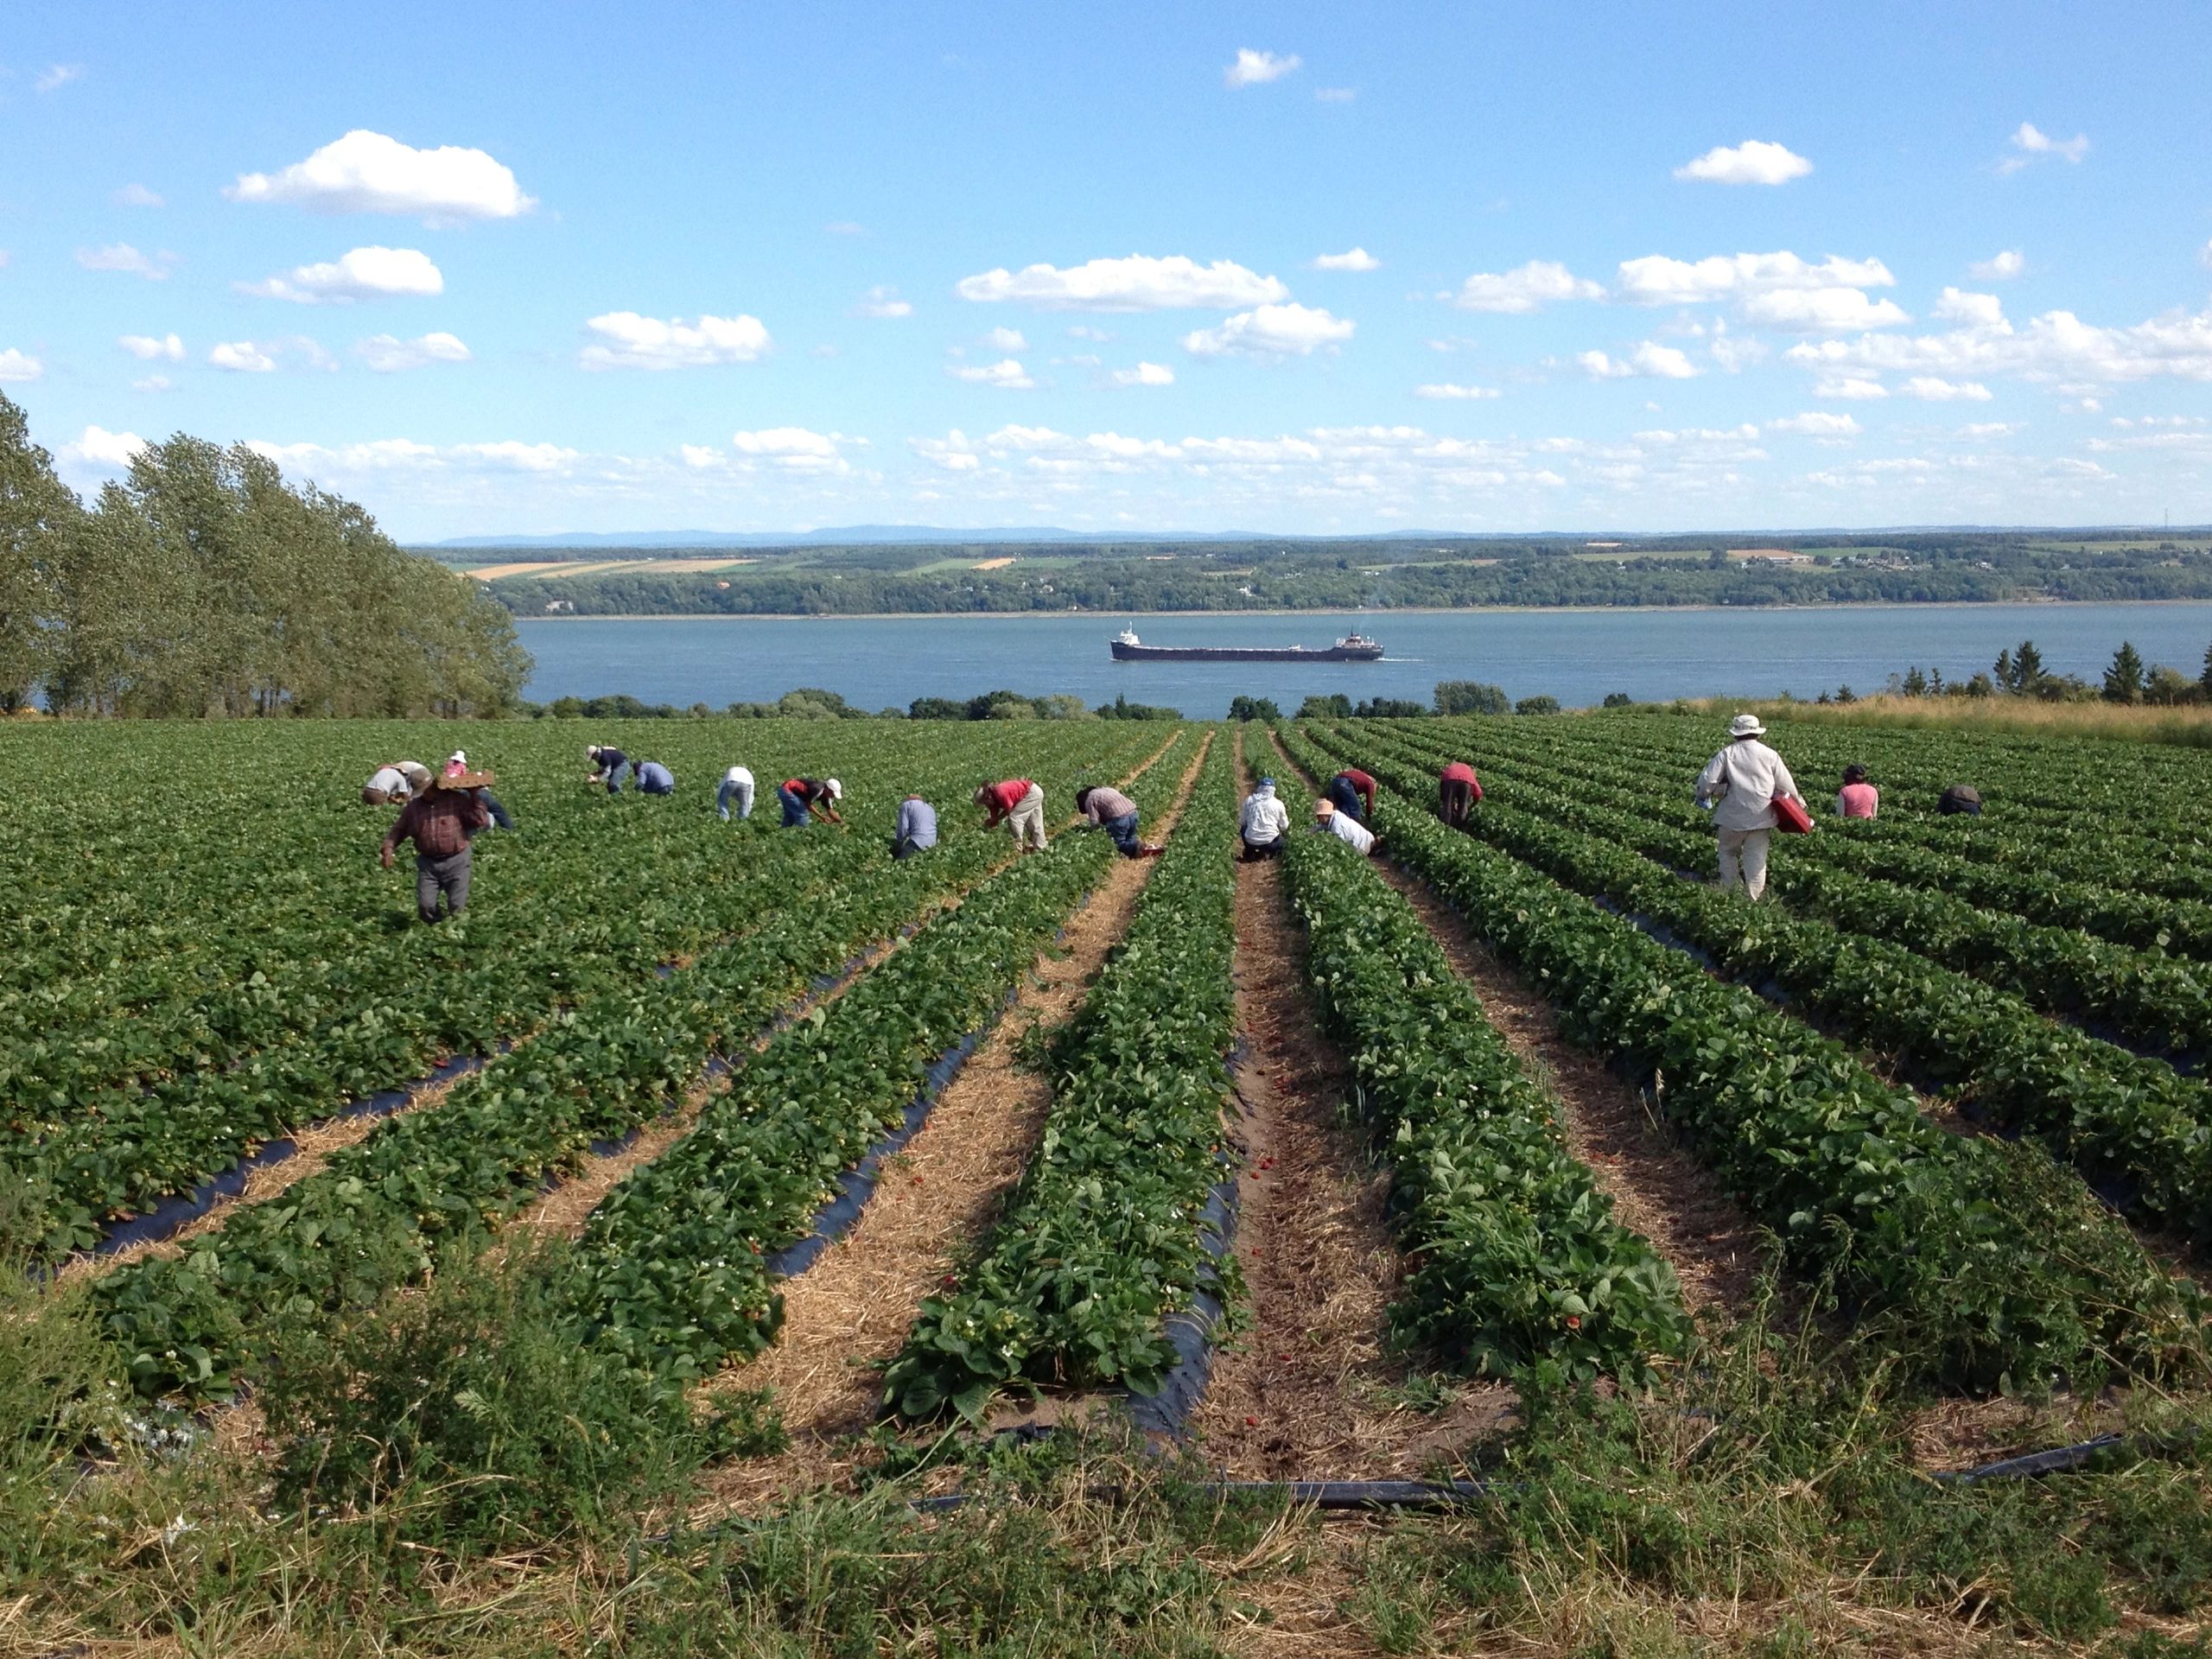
[1352,648]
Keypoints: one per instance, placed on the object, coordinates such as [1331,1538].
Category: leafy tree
[1391,709]
[1471,698]
[38,513]
[937,708]
[1255,708]
[1122,709]
[1620,700]
[1336,706]
[1540,705]
[1058,705]
[2167,686]
[2124,679]
[1979,686]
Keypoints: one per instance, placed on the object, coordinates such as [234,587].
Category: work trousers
[1027,822]
[448,875]
[378,796]
[796,816]
[739,795]
[1122,831]
[1347,800]
[1256,850]
[1743,859]
[905,847]
[1455,797]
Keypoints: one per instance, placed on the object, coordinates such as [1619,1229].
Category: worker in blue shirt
[917,829]
[654,779]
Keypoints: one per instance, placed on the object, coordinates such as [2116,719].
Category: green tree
[2206,680]
[2167,686]
[1336,706]
[1537,705]
[1255,708]
[38,515]
[1471,698]
[2124,679]
[1622,700]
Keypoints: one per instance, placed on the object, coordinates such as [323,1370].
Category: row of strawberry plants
[1104,1238]
[2122,1119]
[1993,1263]
[2151,1000]
[672,1270]
[378,1212]
[1516,1255]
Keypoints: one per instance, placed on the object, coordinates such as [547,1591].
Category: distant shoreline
[1367,616]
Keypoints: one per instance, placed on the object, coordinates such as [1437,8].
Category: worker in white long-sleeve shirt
[1264,823]
[1345,826]
[1739,786]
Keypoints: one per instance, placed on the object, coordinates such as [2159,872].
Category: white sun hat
[836,789]
[1746,726]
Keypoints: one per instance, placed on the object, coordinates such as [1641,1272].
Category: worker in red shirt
[1353,792]
[440,822]
[1457,792]
[804,799]
[1018,805]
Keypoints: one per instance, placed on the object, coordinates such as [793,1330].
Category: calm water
[1575,656]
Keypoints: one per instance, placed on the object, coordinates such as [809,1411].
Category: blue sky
[506,267]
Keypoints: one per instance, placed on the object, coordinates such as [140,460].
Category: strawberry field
[482,1240]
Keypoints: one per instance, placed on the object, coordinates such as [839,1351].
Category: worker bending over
[1108,809]
[1331,821]
[1018,803]
[1352,791]
[1457,792]
[804,799]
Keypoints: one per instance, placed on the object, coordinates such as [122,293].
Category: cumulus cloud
[406,455]
[1818,423]
[152,382]
[361,274]
[367,172]
[1655,279]
[137,195]
[1138,282]
[1524,288]
[882,301]
[793,450]
[1257,68]
[1290,330]
[1821,310]
[1936,389]
[148,348]
[1649,359]
[265,357]
[1975,310]
[2000,267]
[1447,391]
[389,354]
[1008,339]
[1145,374]
[96,446]
[55,76]
[121,256]
[19,368]
[2031,144]
[1356,259]
[627,341]
[1849,386]
[2056,347]
[1008,375]
[1752,161]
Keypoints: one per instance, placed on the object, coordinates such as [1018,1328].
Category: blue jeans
[615,780]
[742,793]
[1347,800]
[1124,832]
[796,815]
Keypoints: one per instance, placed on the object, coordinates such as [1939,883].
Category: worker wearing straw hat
[1738,787]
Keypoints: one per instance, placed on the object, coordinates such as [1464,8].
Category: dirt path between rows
[846,1316]
[1656,1186]
[1307,1390]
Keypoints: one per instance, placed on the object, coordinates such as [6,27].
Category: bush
[1470,697]
[1255,708]
[1536,706]
[1391,709]
[1619,700]
[1336,706]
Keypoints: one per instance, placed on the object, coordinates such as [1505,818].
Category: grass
[2190,725]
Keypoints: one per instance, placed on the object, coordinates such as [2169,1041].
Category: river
[1575,656]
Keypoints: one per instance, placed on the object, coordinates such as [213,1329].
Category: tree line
[2018,671]
[203,584]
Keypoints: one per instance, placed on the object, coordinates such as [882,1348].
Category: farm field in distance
[729,1238]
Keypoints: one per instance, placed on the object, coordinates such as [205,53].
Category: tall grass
[2188,725]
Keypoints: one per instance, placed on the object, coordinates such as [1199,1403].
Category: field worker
[609,764]
[440,822]
[1457,792]
[653,779]
[916,831]
[456,763]
[806,800]
[1960,798]
[1107,808]
[387,786]
[1264,823]
[1352,791]
[1857,798]
[1739,785]
[1018,805]
[736,791]
[1331,820]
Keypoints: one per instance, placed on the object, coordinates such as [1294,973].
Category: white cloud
[1271,331]
[1356,259]
[154,383]
[2056,346]
[882,301]
[1145,374]
[1334,94]
[509,456]
[630,341]
[1975,310]
[1933,389]
[148,347]
[55,76]
[1818,423]
[1524,288]
[2000,267]
[1857,387]
[1008,339]
[361,274]
[1752,161]
[264,357]
[121,256]
[389,354]
[1651,359]
[137,195]
[1655,279]
[109,451]
[1256,68]
[793,450]
[2031,142]
[1139,282]
[366,172]
[1085,331]
[19,367]
[1989,429]
[1007,376]
[843,227]
[1823,310]
[242,357]
[1444,390]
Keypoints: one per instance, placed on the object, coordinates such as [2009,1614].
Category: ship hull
[1242,653]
